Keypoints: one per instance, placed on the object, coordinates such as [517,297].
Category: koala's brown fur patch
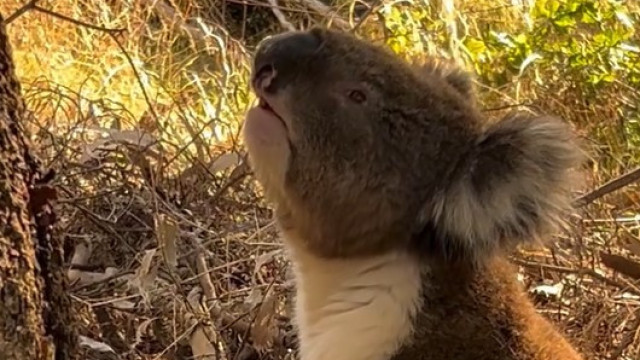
[415,150]
[365,156]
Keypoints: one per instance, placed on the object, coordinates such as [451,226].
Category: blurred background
[137,104]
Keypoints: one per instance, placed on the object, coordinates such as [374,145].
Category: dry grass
[173,250]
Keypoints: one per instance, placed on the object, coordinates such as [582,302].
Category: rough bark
[35,310]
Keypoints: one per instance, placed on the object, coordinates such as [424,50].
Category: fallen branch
[326,11]
[168,13]
[25,8]
[367,13]
[621,264]
[54,14]
[275,8]
[608,188]
[579,271]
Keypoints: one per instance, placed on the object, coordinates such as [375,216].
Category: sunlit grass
[195,88]
[194,75]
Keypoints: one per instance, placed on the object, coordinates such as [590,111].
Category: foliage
[581,49]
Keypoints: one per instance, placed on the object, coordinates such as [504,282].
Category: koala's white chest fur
[354,309]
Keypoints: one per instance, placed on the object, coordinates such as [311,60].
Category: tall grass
[182,82]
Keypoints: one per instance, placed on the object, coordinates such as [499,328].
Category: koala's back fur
[406,307]
[476,315]
[397,205]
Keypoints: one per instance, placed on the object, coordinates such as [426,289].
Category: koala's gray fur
[383,157]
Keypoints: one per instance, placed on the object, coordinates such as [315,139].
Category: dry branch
[21,11]
[621,264]
[280,16]
[608,188]
[326,12]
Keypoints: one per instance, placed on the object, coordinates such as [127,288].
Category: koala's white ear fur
[457,77]
[514,187]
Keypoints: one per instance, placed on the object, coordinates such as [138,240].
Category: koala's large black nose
[278,55]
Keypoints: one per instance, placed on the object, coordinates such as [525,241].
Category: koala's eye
[357,96]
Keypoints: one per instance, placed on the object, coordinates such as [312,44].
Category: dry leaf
[167,232]
[141,330]
[145,263]
[200,345]
[132,137]
[145,275]
[194,296]
[110,138]
[88,277]
[224,162]
[553,291]
[124,304]
[81,255]
[254,298]
[263,329]
[150,277]
[95,345]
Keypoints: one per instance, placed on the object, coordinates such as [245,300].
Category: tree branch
[26,7]
[608,188]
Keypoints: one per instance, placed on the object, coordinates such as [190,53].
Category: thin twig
[580,271]
[26,7]
[367,13]
[608,188]
[280,16]
[326,11]
[137,74]
[74,21]
[114,35]
[628,339]
[507,106]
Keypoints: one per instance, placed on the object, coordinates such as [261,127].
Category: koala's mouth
[264,105]
[268,99]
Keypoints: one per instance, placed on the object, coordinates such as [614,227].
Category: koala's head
[360,151]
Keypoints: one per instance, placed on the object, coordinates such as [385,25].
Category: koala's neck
[397,306]
[353,309]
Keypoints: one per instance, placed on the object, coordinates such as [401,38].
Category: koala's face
[349,141]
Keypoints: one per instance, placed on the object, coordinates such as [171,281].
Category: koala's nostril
[264,77]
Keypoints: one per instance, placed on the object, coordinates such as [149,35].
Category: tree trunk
[35,309]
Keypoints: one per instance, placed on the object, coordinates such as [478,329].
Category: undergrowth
[171,250]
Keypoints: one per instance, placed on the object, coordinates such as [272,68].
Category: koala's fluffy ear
[458,78]
[513,187]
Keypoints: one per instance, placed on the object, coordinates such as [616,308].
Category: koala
[398,202]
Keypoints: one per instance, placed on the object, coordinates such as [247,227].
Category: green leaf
[554,6]
[600,39]
[565,21]
[475,46]
[608,78]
